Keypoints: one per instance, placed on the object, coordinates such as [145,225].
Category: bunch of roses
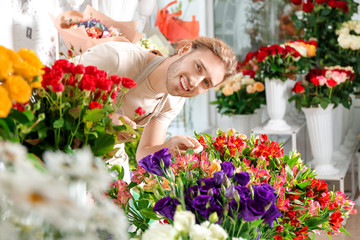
[324,86]
[274,61]
[72,109]
[305,203]
[346,38]
[95,29]
[20,72]
[308,6]
[239,94]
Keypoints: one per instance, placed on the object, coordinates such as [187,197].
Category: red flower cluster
[264,148]
[308,6]
[232,144]
[65,74]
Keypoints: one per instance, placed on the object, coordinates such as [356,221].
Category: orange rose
[6,103]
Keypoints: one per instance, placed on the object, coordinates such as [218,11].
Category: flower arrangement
[278,61]
[325,86]
[40,203]
[247,186]
[20,72]
[71,109]
[94,28]
[239,94]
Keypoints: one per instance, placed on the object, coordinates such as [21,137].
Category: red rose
[93,105]
[296,2]
[277,237]
[313,42]
[298,87]
[100,74]
[342,5]
[249,72]
[90,70]
[248,57]
[280,228]
[114,93]
[57,87]
[87,83]
[331,82]
[104,84]
[79,69]
[63,64]
[128,82]
[262,55]
[115,79]
[320,1]
[71,81]
[308,6]
[140,111]
[315,81]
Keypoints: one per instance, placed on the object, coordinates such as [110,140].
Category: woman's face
[195,72]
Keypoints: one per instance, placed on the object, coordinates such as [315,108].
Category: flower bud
[213,218]
[210,192]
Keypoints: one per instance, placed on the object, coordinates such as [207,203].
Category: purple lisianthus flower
[252,210]
[201,202]
[263,195]
[243,192]
[152,162]
[166,207]
[271,214]
[242,178]
[210,182]
[230,192]
[228,168]
[218,177]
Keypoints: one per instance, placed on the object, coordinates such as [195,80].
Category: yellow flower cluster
[20,72]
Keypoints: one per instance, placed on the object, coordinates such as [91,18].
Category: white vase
[319,125]
[337,123]
[224,122]
[276,101]
[242,123]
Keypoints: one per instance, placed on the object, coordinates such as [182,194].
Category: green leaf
[148,213]
[103,144]
[343,230]
[303,185]
[58,123]
[95,115]
[19,116]
[36,162]
[120,128]
[75,112]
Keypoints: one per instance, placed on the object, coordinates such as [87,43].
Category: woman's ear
[184,49]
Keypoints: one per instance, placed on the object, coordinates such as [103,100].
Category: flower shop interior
[280,137]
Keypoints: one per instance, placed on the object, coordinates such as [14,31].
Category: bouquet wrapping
[79,40]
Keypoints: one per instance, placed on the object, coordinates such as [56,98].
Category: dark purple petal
[228,168]
[271,214]
[252,210]
[242,178]
[263,195]
[166,207]
[153,162]
[163,155]
[244,192]
[201,202]
[214,208]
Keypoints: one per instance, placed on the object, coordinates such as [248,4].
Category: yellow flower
[6,67]
[30,57]
[26,70]
[311,50]
[6,103]
[19,90]
[37,84]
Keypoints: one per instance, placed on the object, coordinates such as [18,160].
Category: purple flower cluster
[227,194]
[157,162]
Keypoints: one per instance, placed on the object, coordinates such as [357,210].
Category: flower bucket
[276,101]
[242,123]
[320,130]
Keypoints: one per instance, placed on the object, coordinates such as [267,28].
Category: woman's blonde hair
[218,47]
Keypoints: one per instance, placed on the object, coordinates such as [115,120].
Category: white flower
[158,231]
[183,221]
[218,232]
[199,232]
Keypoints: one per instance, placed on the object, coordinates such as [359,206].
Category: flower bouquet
[324,86]
[247,186]
[81,31]
[239,94]
[71,109]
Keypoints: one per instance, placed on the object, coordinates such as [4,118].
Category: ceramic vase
[320,130]
[337,123]
[242,123]
[276,101]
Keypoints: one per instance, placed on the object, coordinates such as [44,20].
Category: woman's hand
[116,120]
[178,145]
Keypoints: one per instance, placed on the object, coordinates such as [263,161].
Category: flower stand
[276,100]
[319,124]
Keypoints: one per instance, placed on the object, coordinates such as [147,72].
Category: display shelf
[295,127]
